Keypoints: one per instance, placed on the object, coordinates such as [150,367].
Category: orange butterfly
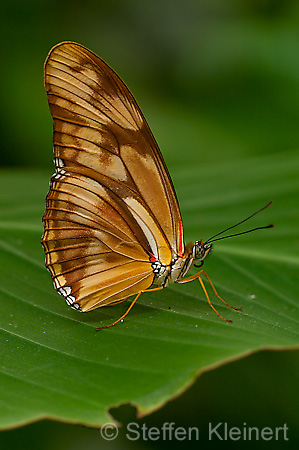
[112,226]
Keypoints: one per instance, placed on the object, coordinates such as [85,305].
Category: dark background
[216,80]
[221,75]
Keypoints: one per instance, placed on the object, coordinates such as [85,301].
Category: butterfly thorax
[180,265]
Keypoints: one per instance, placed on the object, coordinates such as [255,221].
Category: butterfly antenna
[212,239]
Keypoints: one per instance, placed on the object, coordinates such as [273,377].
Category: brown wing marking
[91,248]
[118,283]
[98,125]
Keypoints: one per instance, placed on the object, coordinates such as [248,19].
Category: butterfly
[112,226]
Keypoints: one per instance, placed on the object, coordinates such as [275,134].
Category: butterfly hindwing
[89,246]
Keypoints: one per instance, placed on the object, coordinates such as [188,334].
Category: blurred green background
[217,81]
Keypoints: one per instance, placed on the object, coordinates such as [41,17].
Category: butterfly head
[200,251]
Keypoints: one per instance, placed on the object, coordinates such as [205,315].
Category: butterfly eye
[200,250]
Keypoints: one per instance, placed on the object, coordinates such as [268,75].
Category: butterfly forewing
[111,205]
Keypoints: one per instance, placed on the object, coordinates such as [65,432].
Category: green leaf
[54,364]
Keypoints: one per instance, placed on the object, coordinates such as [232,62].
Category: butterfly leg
[197,276]
[130,307]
